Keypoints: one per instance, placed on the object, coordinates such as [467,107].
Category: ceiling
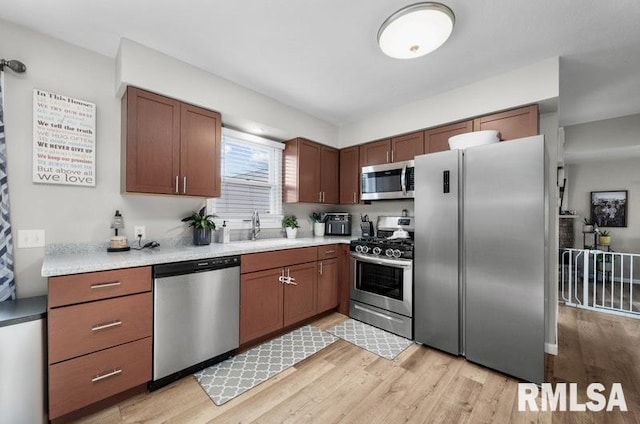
[321,56]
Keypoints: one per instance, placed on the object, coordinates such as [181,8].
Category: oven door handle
[402,263]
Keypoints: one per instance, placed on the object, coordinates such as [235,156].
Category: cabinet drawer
[277,259]
[328,251]
[78,288]
[80,329]
[82,381]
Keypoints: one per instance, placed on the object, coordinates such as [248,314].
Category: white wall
[601,156]
[240,107]
[617,174]
[82,214]
[609,139]
[532,84]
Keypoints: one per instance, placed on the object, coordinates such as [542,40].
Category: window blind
[251,170]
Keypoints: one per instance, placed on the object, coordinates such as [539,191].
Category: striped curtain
[7,280]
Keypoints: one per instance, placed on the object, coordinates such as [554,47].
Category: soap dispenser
[225,233]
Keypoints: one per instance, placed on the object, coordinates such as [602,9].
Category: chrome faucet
[255,225]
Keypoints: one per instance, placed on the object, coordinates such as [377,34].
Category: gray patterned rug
[228,379]
[373,339]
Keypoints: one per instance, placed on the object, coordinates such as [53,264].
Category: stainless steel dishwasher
[196,316]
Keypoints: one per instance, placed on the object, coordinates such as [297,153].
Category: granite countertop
[76,259]
[22,310]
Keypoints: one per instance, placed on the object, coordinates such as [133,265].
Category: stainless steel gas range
[382,287]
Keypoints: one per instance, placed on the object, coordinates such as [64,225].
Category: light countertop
[78,260]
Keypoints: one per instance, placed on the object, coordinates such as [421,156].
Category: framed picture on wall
[609,208]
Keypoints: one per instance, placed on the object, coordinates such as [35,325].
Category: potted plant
[290,224]
[587,226]
[202,225]
[318,224]
[604,239]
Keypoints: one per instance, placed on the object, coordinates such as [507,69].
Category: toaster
[337,224]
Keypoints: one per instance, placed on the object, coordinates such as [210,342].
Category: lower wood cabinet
[345,278]
[99,337]
[289,291]
[261,303]
[327,284]
[299,301]
[80,382]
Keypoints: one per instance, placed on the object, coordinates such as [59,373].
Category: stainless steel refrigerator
[480,254]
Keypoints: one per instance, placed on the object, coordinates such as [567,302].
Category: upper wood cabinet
[330,175]
[407,147]
[169,147]
[396,149]
[437,139]
[350,175]
[310,172]
[515,123]
[375,153]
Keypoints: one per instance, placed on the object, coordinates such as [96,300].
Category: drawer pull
[327,252]
[105,326]
[107,375]
[105,285]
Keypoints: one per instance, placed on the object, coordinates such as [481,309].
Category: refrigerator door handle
[403,180]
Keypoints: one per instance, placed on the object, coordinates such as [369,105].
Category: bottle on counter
[224,233]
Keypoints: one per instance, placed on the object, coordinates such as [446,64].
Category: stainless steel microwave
[388,181]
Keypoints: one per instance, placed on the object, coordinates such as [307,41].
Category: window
[251,168]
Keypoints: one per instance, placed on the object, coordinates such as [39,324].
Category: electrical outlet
[30,238]
[139,232]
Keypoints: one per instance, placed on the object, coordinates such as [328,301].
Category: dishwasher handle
[191,267]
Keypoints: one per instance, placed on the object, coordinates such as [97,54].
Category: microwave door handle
[403,180]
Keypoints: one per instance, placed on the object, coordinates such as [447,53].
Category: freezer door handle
[445,181]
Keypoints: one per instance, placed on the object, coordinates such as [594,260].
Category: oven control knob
[389,253]
[397,253]
[377,250]
[359,249]
[365,249]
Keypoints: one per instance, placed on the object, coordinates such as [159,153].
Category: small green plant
[588,221]
[315,217]
[604,233]
[290,221]
[200,220]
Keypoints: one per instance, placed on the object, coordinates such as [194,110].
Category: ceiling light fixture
[416,30]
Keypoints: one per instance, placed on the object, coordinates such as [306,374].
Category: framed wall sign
[609,208]
[64,140]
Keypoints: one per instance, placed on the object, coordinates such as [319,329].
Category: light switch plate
[30,238]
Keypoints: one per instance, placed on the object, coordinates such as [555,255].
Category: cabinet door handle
[107,375]
[282,278]
[105,285]
[290,279]
[184,184]
[323,197]
[391,155]
[320,267]
[177,184]
[354,197]
[326,252]
[387,156]
[105,326]
[319,197]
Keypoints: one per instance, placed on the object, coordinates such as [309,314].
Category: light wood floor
[346,384]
